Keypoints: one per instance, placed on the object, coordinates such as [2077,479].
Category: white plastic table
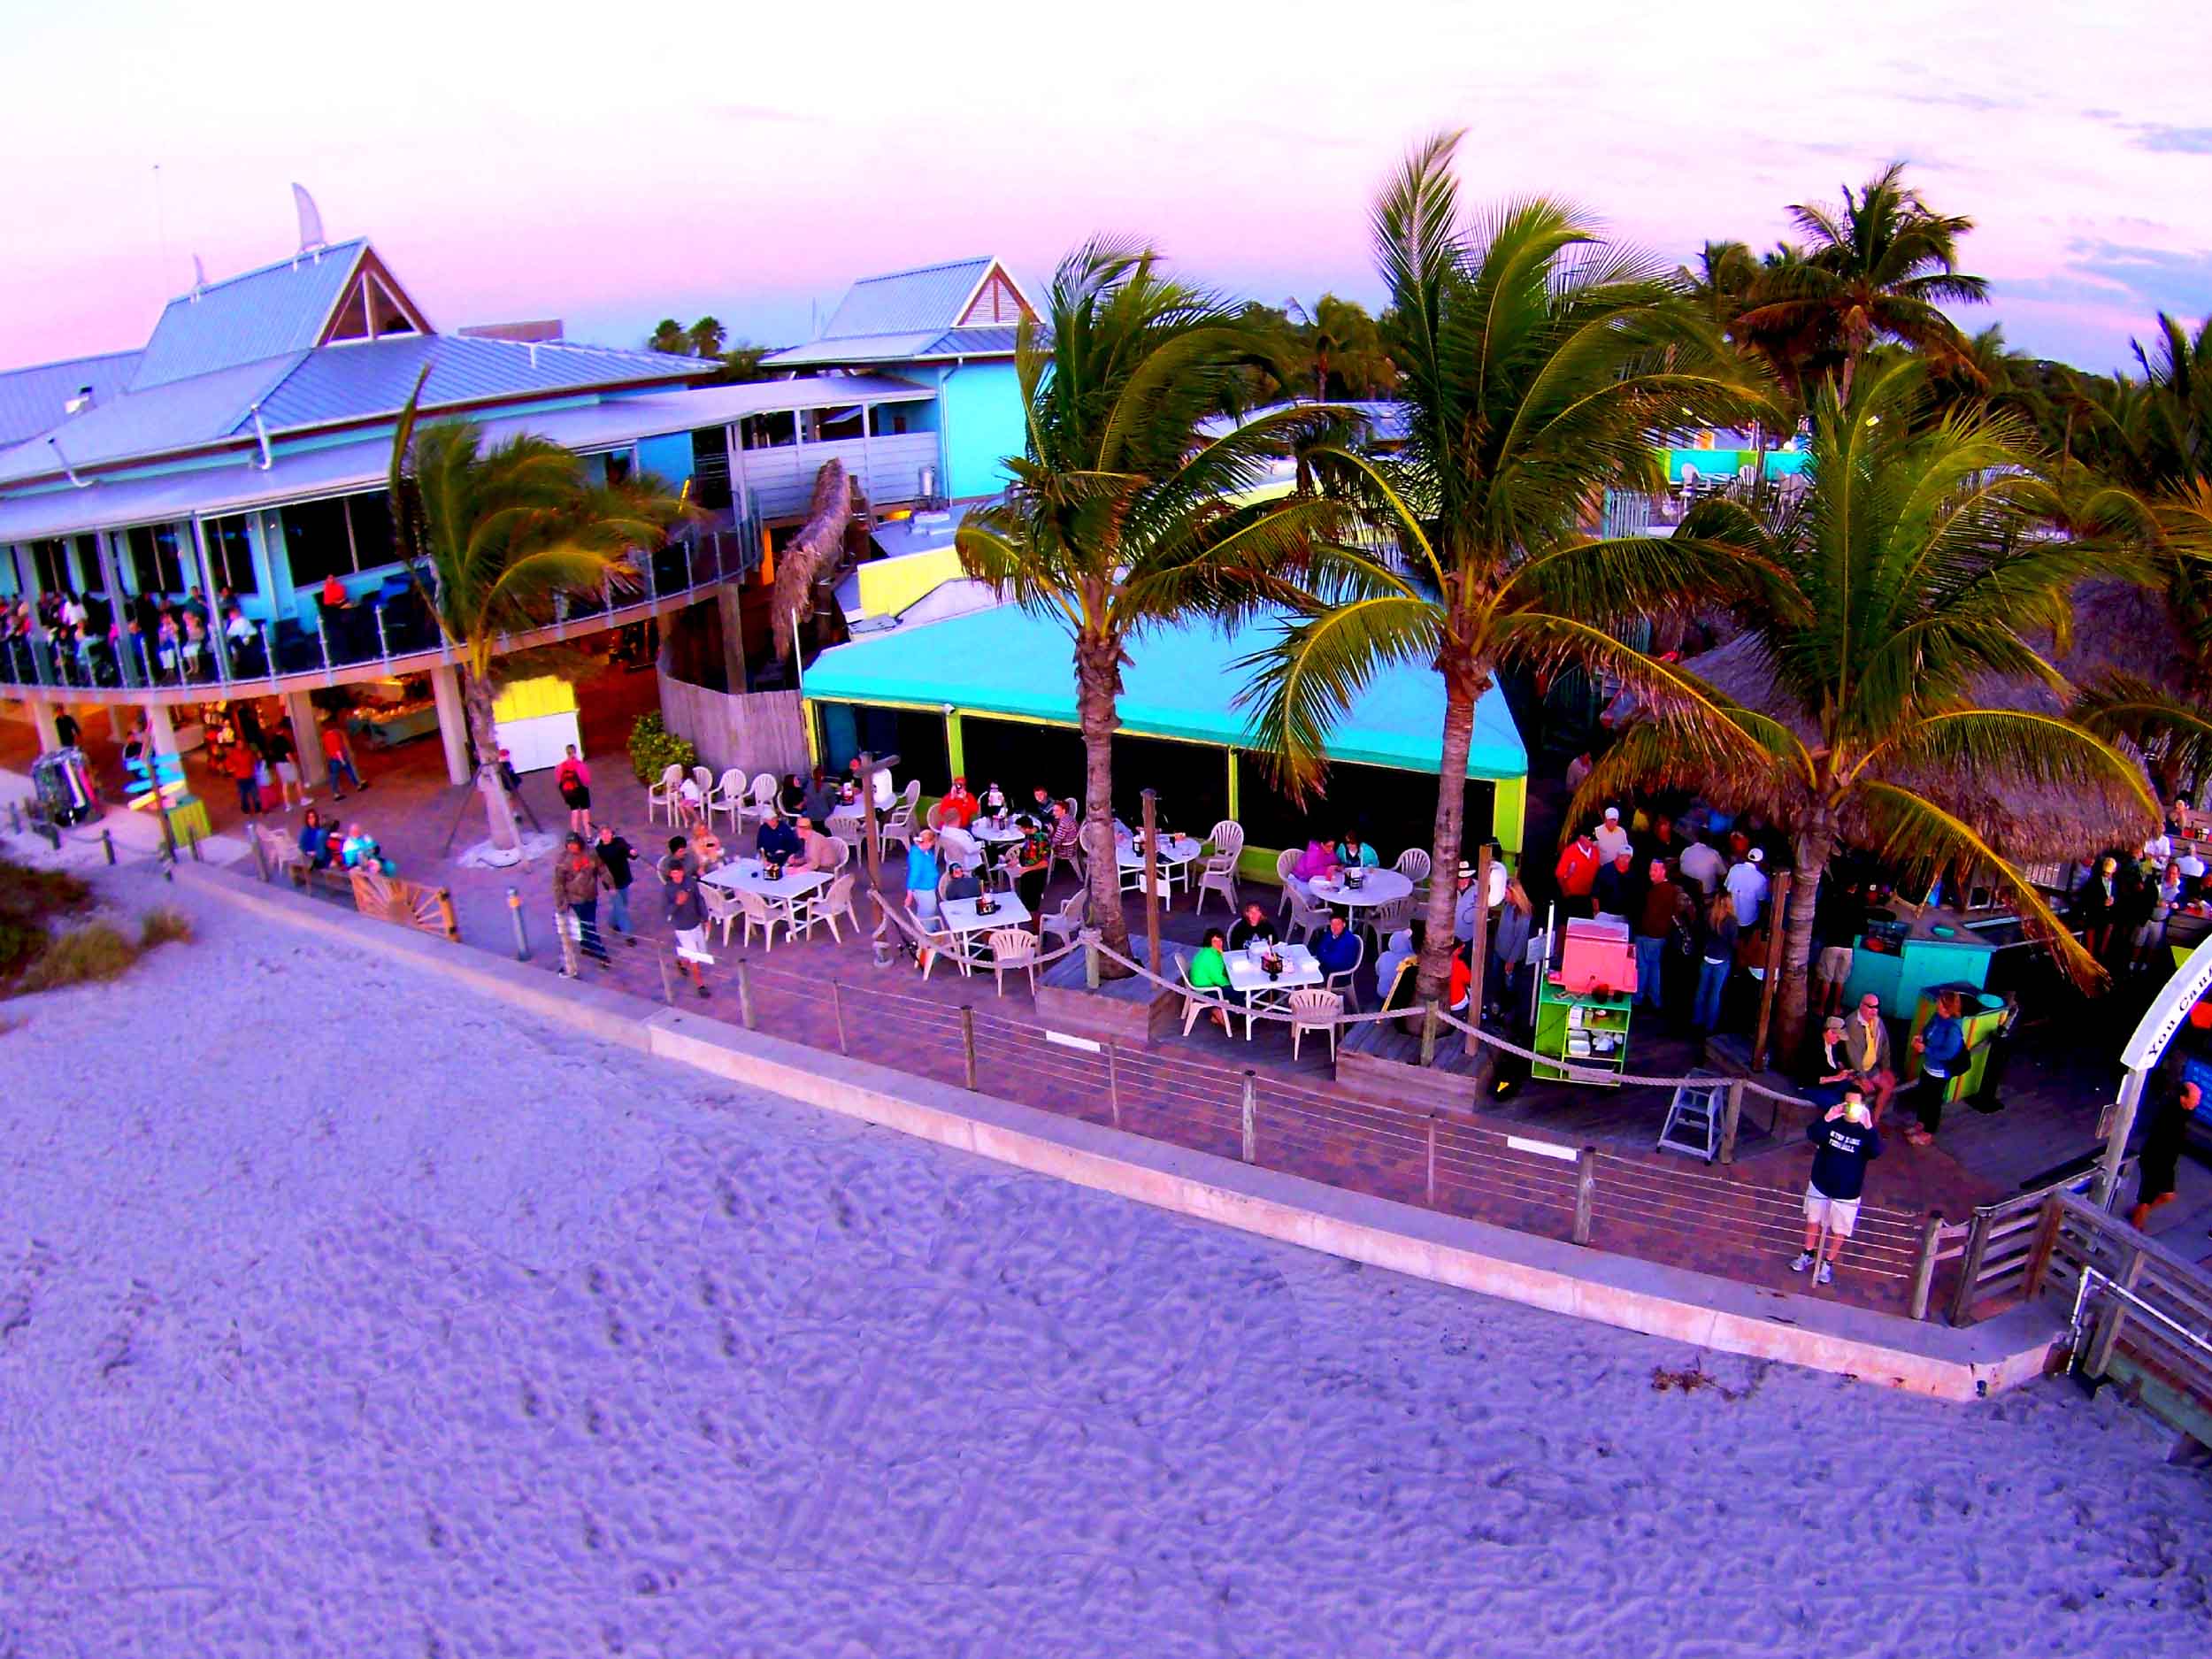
[787,895]
[1260,992]
[1006,911]
[1177,853]
[1002,835]
[1377,887]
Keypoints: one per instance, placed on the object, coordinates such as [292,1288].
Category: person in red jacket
[1577,873]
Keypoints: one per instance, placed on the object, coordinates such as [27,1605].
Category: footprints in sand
[18,1300]
[125,1344]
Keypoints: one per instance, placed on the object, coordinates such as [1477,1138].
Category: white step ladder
[1693,1117]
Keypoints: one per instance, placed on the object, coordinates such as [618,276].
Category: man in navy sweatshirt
[1844,1143]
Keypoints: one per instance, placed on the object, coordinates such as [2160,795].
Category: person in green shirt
[1209,970]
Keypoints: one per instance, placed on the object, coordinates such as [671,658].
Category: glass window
[230,552]
[352,322]
[887,420]
[46,559]
[833,426]
[156,559]
[88,578]
[915,735]
[1018,756]
[390,319]
[771,431]
[1190,780]
[1391,809]
[711,468]
[375,538]
[316,543]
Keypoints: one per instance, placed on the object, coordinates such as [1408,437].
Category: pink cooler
[1597,956]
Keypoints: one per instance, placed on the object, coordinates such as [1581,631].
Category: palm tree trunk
[1463,686]
[484,730]
[1098,689]
[1809,858]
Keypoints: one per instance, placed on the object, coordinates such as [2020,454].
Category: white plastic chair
[1306,916]
[837,902]
[757,914]
[721,906]
[1312,1009]
[1287,861]
[728,796]
[1195,1001]
[1413,863]
[703,778]
[662,797]
[764,793]
[1067,921]
[1347,981]
[1014,948]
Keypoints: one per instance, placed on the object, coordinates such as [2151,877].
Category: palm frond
[1301,685]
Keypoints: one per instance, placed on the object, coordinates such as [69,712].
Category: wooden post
[1971,1267]
[2098,1360]
[446,914]
[1585,1192]
[1431,1162]
[1113,1084]
[1924,1270]
[2046,1244]
[1428,1034]
[1478,947]
[837,1013]
[1090,957]
[1251,1123]
[260,855]
[107,842]
[668,980]
[1777,912]
[745,994]
[1152,879]
[879,944]
[1731,1119]
[967,1043]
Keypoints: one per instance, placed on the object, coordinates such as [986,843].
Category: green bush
[654,749]
[28,897]
[80,956]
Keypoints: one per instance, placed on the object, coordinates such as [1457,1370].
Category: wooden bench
[1376,1061]
[409,903]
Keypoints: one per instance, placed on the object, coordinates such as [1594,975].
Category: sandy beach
[344,1312]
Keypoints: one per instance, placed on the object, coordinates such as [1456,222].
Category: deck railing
[393,630]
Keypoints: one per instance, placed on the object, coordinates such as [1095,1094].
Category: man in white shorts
[1844,1144]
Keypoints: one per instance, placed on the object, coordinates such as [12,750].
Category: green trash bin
[1980,1014]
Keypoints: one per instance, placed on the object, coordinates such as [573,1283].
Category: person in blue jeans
[615,853]
[1712,968]
[1654,916]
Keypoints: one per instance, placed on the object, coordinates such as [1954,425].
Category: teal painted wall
[668,459]
[981,408]
[1711,464]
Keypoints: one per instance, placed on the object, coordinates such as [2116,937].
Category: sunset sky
[611,164]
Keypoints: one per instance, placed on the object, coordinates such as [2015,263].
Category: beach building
[245,448]
[990,695]
[949,329]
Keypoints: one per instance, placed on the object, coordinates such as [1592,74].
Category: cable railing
[392,628]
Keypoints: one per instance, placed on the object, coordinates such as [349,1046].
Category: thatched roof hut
[2119,625]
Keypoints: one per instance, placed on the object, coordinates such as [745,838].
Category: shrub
[654,749]
[164,925]
[28,897]
[95,952]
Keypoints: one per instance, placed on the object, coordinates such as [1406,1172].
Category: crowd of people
[81,640]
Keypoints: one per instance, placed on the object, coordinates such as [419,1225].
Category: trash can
[62,781]
[1980,1014]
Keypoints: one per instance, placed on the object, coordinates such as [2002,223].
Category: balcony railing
[392,628]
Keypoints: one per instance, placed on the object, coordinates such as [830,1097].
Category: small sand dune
[343,1312]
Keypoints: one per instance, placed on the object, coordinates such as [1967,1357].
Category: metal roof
[907,300]
[182,415]
[372,377]
[264,313]
[36,399]
[234,483]
[996,341]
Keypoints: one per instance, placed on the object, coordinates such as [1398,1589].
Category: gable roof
[36,399]
[909,316]
[261,313]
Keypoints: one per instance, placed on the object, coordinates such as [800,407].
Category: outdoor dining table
[1260,993]
[1376,887]
[959,917]
[1177,853]
[995,834]
[785,894]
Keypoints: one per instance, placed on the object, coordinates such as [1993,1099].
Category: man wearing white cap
[1747,886]
[1612,838]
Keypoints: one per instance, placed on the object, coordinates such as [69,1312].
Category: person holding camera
[1844,1143]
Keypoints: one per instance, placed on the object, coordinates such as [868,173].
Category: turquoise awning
[1181,682]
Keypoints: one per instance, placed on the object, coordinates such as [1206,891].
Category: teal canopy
[1181,682]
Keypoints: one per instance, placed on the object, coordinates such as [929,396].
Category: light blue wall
[982,413]
[667,458]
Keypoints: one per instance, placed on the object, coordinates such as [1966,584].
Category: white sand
[345,1313]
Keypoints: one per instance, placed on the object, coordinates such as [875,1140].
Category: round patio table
[1377,887]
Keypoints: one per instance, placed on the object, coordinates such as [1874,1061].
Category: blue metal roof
[36,399]
[264,313]
[906,301]
[358,382]
[998,339]
[853,349]
[182,415]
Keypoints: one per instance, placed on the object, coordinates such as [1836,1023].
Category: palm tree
[1538,362]
[1346,348]
[491,537]
[1120,516]
[1905,581]
[706,337]
[670,336]
[1877,268]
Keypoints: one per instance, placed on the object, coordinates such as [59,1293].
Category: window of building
[1392,810]
[1190,780]
[386,314]
[375,537]
[89,581]
[1018,757]
[917,736]
[48,564]
[887,420]
[318,543]
[352,321]
[711,468]
[230,553]
[773,430]
[833,426]
[156,559]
